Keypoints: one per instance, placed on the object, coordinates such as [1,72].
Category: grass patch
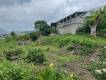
[62,40]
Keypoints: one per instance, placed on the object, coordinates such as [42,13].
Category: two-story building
[71,23]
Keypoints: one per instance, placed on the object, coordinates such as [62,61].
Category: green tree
[34,36]
[94,19]
[101,28]
[13,33]
[43,27]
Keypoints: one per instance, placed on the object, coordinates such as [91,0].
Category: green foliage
[101,76]
[9,71]
[4,44]
[81,49]
[29,36]
[34,53]
[101,29]
[51,73]
[23,37]
[13,33]
[84,29]
[65,59]
[43,27]
[12,54]
[95,17]
[103,55]
[35,56]
[34,36]
[99,65]
[102,23]
[71,39]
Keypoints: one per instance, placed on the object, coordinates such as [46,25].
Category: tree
[94,19]
[102,25]
[13,34]
[34,36]
[43,27]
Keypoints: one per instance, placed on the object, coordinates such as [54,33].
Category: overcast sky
[20,15]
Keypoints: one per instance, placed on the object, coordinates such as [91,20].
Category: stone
[101,71]
[104,70]
[98,71]
[105,47]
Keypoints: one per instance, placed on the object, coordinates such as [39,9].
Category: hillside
[59,57]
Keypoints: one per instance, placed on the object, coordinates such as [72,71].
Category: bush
[9,71]
[35,56]
[80,49]
[103,55]
[13,34]
[84,30]
[34,36]
[23,37]
[51,73]
[100,76]
[13,54]
[63,40]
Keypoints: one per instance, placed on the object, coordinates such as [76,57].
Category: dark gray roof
[73,15]
[82,13]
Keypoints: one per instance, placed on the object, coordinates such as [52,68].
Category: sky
[20,15]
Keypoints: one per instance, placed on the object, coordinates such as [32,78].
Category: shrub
[103,55]
[23,37]
[100,76]
[51,73]
[80,49]
[84,30]
[34,36]
[9,71]
[63,40]
[13,54]
[13,34]
[35,56]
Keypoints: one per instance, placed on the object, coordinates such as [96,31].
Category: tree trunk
[93,30]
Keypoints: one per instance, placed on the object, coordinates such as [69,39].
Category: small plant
[35,56]
[13,54]
[9,71]
[80,49]
[101,76]
[51,73]
[103,55]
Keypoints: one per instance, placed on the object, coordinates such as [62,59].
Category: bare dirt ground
[83,73]
[80,69]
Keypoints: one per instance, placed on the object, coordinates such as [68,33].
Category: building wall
[71,26]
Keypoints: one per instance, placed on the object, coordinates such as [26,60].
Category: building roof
[80,13]
[73,15]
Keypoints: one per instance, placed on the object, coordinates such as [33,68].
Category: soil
[77,69]
[80,68]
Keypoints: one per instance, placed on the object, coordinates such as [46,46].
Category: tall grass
[68,39]
[6,44]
